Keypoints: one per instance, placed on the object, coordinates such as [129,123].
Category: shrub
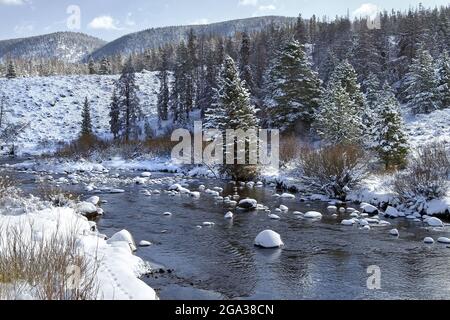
[427,174]
[44,268]
[289,149]
[6,184]
[56,196]
[334,170]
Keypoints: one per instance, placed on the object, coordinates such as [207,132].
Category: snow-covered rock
[269,239]
[123,236]
[444,240]
[86,208]
[332,209]
[274,217]
[392,212]
[348,223]
[313,215]
[287,196]
[283,208]
[146,174]
[394,232]
[94,200]
[248,204]
[229,215]
[144,243]
[434,222]
[428,240]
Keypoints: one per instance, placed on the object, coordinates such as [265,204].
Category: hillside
[154,38]
[53,107]
[65,46]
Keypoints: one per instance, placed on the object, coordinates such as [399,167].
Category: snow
[283,208]
[94,200]
[428,240]
[269,239]
[145,243]
[229,215]
[86,208]
[332,209]
[274,217]
[118,270]
[348,223]
[287,196]
[392,212]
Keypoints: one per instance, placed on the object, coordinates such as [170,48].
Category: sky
[110,19]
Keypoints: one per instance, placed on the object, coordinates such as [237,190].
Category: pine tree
[444,79]
[129,103]
[422,84]
[301,31]
[164,93]
[86,124]
[114,115]
[232,110]
[391,140]
[91,67]
[104,67]
[293,87]
[371,111]
[245,67]
[338,120]
[11,71]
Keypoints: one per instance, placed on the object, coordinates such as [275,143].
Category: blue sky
[110,19]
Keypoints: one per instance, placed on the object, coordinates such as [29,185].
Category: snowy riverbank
[117,269]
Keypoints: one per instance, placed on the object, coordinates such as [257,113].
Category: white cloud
[12,2]
[104,22]
[129,21]
[366,10]
[200,21]
[248,3]
[270,7]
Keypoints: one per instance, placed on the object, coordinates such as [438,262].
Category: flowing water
[320,260]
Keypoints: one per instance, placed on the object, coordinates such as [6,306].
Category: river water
[320,260]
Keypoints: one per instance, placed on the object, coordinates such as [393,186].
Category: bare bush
[53,268]
[56,195]
[426,177]
[289,149]
[334,170]
[6,184]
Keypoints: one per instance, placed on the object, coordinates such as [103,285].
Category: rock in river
[269,239]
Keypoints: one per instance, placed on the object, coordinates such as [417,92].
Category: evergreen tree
[114,115]
[86,124]
[444,79]
[391,140]
[371,111]
[11,71]
[164,94]
[301,31]
[338,120]
[104,67]
[293,88]
[91,67]
[232,110]
[245,67]
[422,84]
[129,103]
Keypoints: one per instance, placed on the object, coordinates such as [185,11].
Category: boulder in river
[248,204]
[313,215]
[123,236]
[269,239]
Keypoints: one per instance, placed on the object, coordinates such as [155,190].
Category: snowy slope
[424,128]
[65,46]
[52,105]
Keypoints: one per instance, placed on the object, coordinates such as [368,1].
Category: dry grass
[6,184]
[92,146]
[427,174]
[44,267]
[335,169]
[289,149]
[56,195]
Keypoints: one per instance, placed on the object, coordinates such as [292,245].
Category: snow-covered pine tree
[105,67]
[245,67]
[422,84]
[371,111]
[391,141]
[164,92]
[232,110]
[11,71]
[86,124]
[301,31]
[443,69]
[91,67]
[129,103]
[294,88]
[114,115]
[338,120]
